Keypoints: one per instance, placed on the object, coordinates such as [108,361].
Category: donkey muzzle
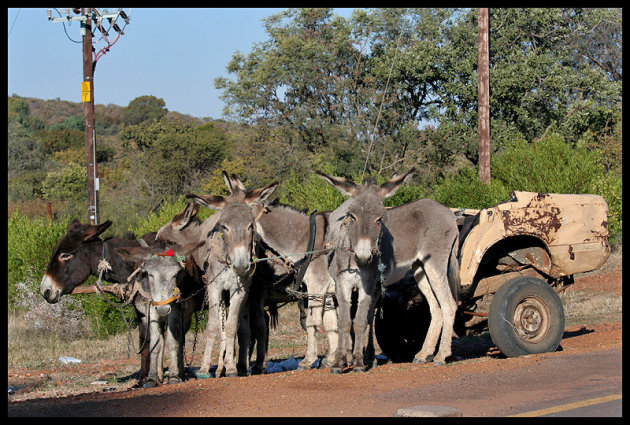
[363,252]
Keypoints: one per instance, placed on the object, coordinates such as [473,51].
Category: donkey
[282,230]
[77,256]
[421,236]
[161,282]
[224,244]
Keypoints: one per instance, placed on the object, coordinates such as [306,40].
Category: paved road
[587,384]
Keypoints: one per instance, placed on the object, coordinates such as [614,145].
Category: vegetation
[373,94]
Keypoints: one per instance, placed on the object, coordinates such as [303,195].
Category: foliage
[464,190]
[69,183]
[309,192]
[142,109]
[30,243]
[548,165]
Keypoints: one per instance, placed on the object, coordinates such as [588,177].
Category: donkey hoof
[231,375]
[324,364]
[335,370]
[419,361]
[359,368]
[302,368]
[174,380]
[150,384]
[439,362]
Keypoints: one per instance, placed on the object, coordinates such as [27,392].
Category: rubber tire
[505,303]
[401,331]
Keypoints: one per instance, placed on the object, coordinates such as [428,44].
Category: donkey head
[69,264]
[235,224]
[162,278]
[364,211]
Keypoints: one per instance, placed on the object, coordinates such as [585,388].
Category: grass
[590,307]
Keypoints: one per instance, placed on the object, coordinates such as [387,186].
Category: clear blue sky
[173,54]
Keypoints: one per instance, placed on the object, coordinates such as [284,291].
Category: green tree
[144,108]
[67,184]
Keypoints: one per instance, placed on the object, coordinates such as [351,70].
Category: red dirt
[378,392]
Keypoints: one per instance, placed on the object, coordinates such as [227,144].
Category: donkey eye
[250,227]
[352,217]
[64,256]
[379,220]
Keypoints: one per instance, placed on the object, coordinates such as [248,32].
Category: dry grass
[590,307]
[31,348]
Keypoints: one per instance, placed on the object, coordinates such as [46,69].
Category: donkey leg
[332,334]
[212,329]
[435,327]
[365,301]
[449,307]
[175,344]
[156,344]
[244,341]
[370,352]
[313,319]
[261,327]
[145,353]
[237,301]
[344,323]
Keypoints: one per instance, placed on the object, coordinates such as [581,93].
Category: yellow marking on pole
[569,406]
[86,91]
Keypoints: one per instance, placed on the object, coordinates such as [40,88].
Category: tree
[326,83]
[144,108]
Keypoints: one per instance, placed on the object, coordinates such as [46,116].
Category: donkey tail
[453,271]
[273,313]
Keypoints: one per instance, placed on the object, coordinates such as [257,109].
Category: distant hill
[55,111]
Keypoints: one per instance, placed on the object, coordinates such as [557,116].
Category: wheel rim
[532,320]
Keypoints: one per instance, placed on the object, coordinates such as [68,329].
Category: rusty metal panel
[574,229]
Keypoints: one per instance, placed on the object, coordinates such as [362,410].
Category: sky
[173,54]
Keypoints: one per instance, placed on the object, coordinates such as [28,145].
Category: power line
[14,19]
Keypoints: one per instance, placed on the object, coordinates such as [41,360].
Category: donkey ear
[182,219]
[212,202]
[346,187]
[233,182]
[391,186]
[92,231]
[74,225]
[261,195]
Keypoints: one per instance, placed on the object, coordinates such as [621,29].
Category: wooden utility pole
[104,22]
[87,96]
[483,96]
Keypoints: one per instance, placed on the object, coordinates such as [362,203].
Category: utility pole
[102,20]
[483,95]
[87,97]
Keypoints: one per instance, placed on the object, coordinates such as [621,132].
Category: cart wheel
[526,317]
[400,329]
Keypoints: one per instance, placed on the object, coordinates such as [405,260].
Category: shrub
[463,189]
[30,244]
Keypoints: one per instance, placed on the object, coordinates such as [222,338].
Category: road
[502,387]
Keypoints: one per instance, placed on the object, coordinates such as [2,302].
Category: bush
[463,189]
[30,244]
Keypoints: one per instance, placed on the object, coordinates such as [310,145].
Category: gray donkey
[224,245]
[376,244]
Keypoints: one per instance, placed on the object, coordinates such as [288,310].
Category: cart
[514,259]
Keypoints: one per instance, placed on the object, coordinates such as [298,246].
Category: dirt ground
[292,393]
